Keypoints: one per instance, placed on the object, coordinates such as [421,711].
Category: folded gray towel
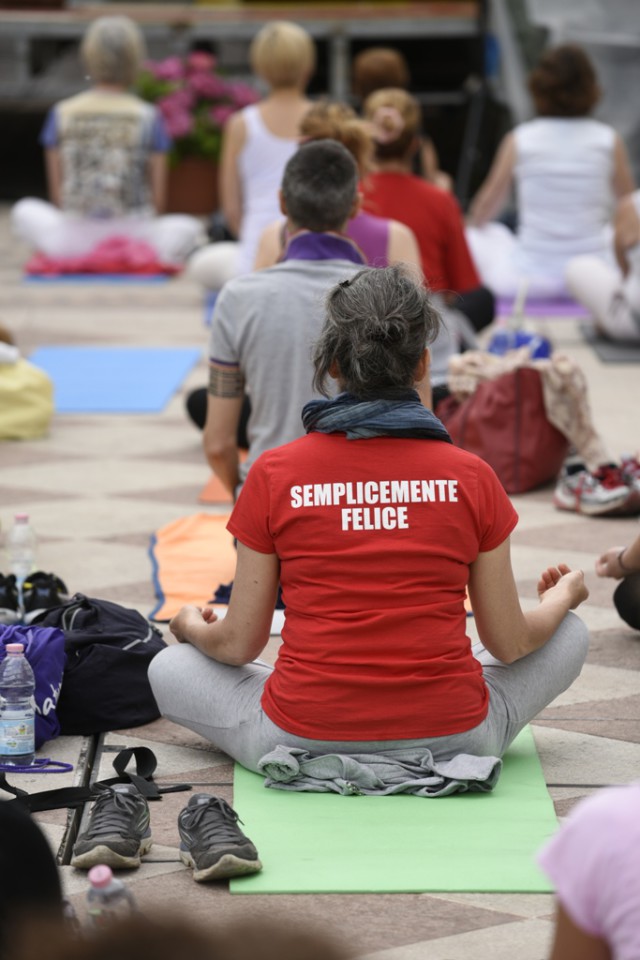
[374,774]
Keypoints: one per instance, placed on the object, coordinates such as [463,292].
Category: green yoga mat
[474,843]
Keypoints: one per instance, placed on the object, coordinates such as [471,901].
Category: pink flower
[176,102]
[206,85]
[170,69]
[179,124]
[200,61]
[194,100]
[242,95]
[175,109]
[221,114]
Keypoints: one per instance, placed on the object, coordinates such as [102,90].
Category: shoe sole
[102,854]
[8,618]
[227,866]
[32,614]
[596,510]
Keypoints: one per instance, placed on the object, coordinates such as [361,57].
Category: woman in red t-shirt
[393,190]
[375,526]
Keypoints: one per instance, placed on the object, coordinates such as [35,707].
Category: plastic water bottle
[21,547]
[17,708]
[107,898]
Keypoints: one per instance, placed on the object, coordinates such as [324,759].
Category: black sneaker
[118,833]
[9,601]
[212,842]
[40,592]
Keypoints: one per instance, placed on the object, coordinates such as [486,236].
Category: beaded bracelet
[623,567]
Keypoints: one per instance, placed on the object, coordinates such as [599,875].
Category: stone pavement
[98,486]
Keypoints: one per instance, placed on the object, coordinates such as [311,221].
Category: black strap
[47,799]
[142,778]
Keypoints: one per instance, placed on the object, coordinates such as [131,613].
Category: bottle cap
[14,647]
[100,876]
[21,518]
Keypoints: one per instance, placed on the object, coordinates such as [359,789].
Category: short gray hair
[320,185]
[113,49]
[377,326]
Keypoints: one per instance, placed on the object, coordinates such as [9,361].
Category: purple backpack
[44,649]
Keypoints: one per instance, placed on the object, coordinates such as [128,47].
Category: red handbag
[504,421]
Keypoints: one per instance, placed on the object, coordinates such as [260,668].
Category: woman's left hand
[565,579]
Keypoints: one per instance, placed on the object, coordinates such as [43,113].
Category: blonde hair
[283,54]
[395,119]
[338,121]
[113,49]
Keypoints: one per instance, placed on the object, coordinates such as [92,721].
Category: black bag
[109,649]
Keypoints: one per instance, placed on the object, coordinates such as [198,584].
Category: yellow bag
[26,401]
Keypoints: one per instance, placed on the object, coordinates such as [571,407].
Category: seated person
[614,300]
[30,887]
[568,170]
[593,863]
[623,563]
[106,159]
[375,526]
[257,143]
[377,68]
[392,190]
[382,241]
[264,323]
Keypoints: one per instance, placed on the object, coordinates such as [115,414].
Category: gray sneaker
[212,842]
[118,833]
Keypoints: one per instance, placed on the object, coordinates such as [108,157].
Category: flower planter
[193,187]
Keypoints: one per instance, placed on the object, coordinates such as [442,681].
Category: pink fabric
[593,862]
[114,255]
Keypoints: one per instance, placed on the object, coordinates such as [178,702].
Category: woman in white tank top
[568,170]
[258,142]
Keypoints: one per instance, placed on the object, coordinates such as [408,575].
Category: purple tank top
[372,236]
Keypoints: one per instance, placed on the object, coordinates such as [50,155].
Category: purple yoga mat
[549,307]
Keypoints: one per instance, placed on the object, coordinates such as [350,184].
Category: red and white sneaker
[631,472]
[602,493]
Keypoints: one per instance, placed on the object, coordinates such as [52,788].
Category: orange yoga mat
[191,557]
[213,490]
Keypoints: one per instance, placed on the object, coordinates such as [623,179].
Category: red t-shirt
[435,218]
[375,538]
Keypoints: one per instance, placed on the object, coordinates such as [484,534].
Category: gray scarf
[361,419]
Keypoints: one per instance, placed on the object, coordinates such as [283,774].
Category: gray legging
[222,703]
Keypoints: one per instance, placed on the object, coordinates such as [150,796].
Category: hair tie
[390,334]
[388,124]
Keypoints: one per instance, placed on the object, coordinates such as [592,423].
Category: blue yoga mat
[115,379]
[98,278]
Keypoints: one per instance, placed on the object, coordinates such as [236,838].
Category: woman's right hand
[561,582]
[190,619]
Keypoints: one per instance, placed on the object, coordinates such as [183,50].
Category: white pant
[609,298]
[49,230]
[504,266]
[214,264]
